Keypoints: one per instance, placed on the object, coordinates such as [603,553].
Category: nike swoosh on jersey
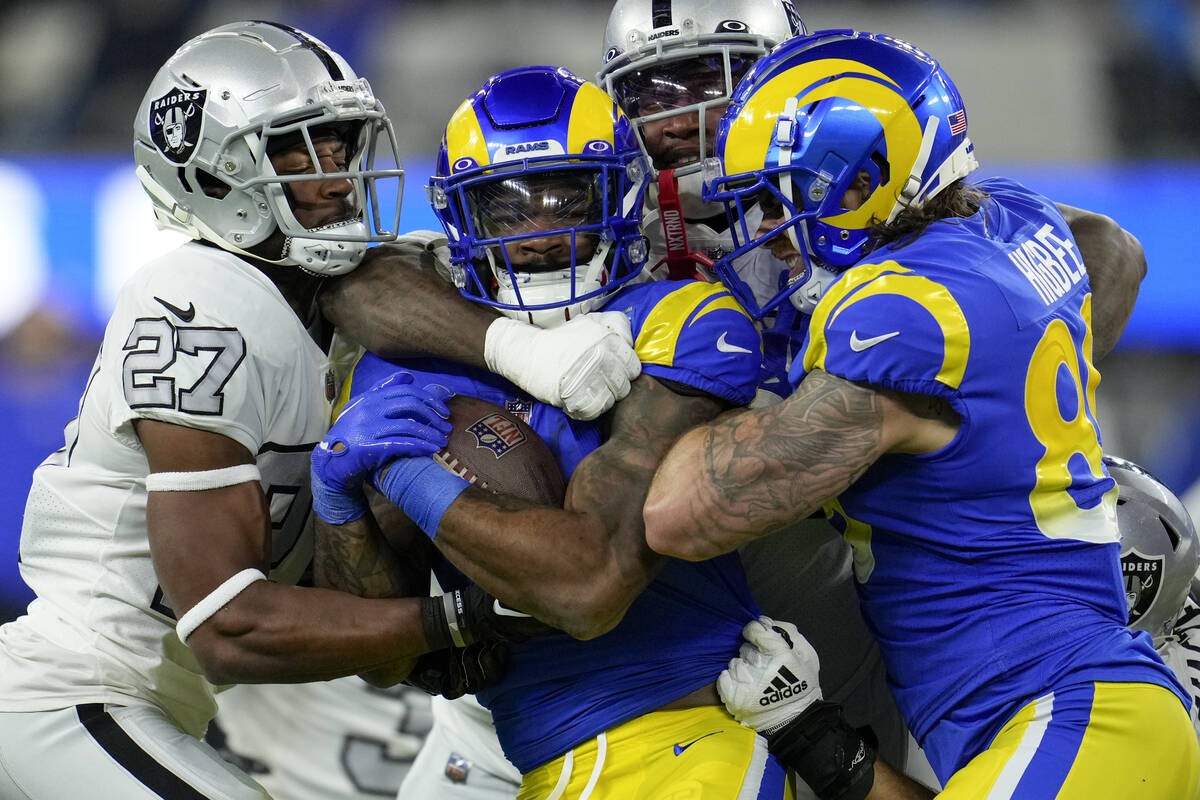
[726,347]
[858,345]
[187,315]
[679,748]
[501,610]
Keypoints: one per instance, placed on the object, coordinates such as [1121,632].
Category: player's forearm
[355,558]
[1116,265]
[389,675]
[751,472]
[271,633]
[396,305]
[685,515]
[562,567]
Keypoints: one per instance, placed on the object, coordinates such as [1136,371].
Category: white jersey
[1181,652]
[199,338]
[336,740]
[470,726]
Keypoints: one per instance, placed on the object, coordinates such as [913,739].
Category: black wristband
[834,759]
[434,624]
[455,671]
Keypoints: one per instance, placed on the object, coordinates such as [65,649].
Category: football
[495,449]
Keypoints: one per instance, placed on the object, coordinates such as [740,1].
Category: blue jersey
[988,569]
[686,626]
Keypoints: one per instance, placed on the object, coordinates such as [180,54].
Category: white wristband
[205,479]
[217,599]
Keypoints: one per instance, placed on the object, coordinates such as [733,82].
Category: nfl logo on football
[497,434]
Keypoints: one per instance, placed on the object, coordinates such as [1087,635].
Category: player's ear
[859,191]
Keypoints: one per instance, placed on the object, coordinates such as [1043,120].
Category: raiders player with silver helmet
[1160,553]
[163,538]
[210,158]
[672,66]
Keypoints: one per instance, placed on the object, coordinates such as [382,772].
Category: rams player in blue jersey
[944,418]
[539,187]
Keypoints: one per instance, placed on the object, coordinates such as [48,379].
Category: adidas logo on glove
[785,684]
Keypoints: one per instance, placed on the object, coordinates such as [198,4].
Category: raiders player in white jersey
[461,758]
[183,483]
[349,741]
[1160,556]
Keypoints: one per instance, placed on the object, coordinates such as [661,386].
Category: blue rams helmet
[806,121]
[1159,548]
[539,186]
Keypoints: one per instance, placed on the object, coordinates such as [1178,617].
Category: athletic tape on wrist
[423,490]
[204,479]
[217,599]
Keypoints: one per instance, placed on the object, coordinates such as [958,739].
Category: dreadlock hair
[959,199]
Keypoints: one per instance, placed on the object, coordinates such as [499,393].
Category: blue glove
[393,419]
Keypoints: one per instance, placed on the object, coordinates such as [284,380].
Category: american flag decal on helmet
[958,122]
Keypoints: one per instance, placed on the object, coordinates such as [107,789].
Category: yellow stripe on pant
[1091,741]
[689,754]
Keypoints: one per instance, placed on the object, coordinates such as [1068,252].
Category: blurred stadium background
[1093,102]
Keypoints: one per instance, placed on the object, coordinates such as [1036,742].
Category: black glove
[465,616]
[834,759]
[455,671]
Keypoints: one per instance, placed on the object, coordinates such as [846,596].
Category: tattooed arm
[750,472]
[1116,265]
[381,554]
[577,568]
[359,558]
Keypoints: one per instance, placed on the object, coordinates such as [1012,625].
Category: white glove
[583,366]
[774,679]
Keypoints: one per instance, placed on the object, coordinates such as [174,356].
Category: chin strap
[682,263]
[325,256]
[786,132]
[960,164]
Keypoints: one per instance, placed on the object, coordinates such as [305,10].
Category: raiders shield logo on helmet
[794,21]
[1143,577]
[177,122]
